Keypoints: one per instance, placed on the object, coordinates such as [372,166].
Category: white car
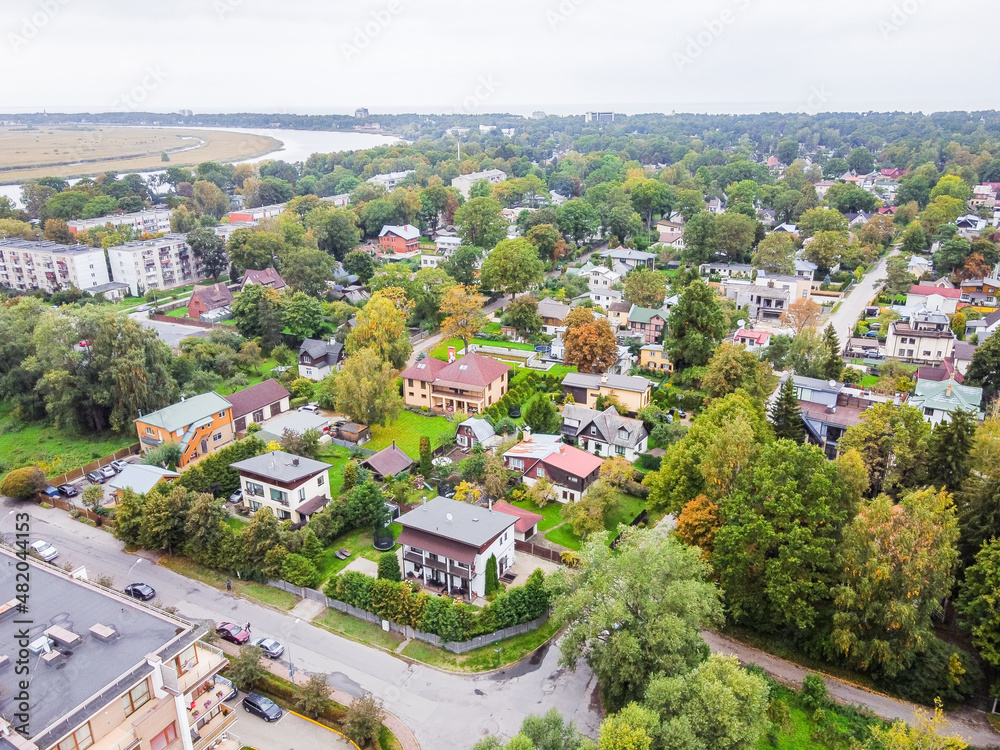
[44,550]
[310,408]
[119,465]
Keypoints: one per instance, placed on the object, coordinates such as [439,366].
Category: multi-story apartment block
[162,263]
[107,672]
[152,221]
[254,215]
[465,182]
[51,267]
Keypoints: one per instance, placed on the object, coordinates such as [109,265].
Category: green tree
[592,512]
[785,414]
[985,368]
[299,570]
[834,361]
[733,367]
[522,315]
[914,239]
[952,186]
[861,161]
[696,326]
[734,235]
[512,267]
[425,456]
[645,287]
[361,264]
[548,241]
[366,389]
[22,484]
[254,249]
[246,668]
[632,728]
[949,450]
[366,506]
[257,312]
[775,254]
[204,524]
[364,719]
[463,265]
[898,277]
[388,567]
[542,416]
[381,327]
[305,443]
[480,223]
[313,698]
[979,498]
[162,524]
[210,249]
[626,629]
[577,220]
[850,199]
[699,238]
[302,315]
[892,440]
[817,220]
[977,603]
[312,547]
[898,563]
[308,271]
[336,230]
[492,578]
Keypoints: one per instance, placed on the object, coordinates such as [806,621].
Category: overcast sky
[482,56]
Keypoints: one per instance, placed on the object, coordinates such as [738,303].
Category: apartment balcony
[445,566]
[210,661]
[123,737]
[213,732]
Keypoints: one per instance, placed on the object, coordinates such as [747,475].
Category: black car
[265,708]
[142,591]
[97,477]
[68,490]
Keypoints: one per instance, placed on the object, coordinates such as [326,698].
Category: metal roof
[187,411]
[461,522]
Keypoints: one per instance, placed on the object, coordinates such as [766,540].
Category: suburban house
[925,337]
[919,266]
[600,277]
[805,269]
[570,470]
[268,277]
[984,327]
[390,180]
[293,487]
[447,544]
[472,383]
[294,421]
[602,297]
[210,302]
[140,479]
[647,324]
[388,462]
[113,291]
[653,357]
[552,314]
[257,403]
[318,359]
[938,399]
[752,340]
[828,410]
[934,298]
[618,314]
[962,358]
[465,182]
[200,425]
[139,675]
[767,302]
[632,392]
[474,431]
[727,270]
[671,233]
[604,433]
[527,522]
[631,259]
[404,239]
[981,292]
[787,228]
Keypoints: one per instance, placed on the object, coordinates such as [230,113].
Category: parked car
[265,708]
[312,408]
[422,355]
[144,308]
[68,490]
[108,472]
[44,550]
[142,591]
[97,477]
[227,687]
[236,497]
[119,464]
[871,335]
[339,423]
[233,633]
[270,647]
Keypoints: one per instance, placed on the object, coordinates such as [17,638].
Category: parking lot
[83,482]
[290,732]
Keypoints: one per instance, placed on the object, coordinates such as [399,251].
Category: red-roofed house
[205,299]
[267,277]
[404,239]
[893,174]
[527,522]
[752,340]
[934,298]
[570,470]
[257,403]
[471,384]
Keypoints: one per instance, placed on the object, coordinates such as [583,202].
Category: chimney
[604,378]
[948,392]
[295,462]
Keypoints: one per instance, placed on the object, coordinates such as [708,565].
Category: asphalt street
[445,711]
[857,299]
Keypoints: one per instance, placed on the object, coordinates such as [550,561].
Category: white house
[293,487]
[934,298]
[752,340]
[605,433]
[938,399]
[447,543]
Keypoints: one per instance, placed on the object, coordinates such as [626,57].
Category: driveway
[857,300]
[290,732]
[170,333]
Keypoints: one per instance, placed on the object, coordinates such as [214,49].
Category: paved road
[860,295]
[170,333]
[445,711]
[971,726]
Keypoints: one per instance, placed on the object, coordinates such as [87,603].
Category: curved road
[860,295]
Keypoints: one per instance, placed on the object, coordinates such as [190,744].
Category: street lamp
[9,514]
[137,561]
[291,664]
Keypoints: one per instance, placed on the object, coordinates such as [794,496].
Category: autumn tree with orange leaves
[590,342]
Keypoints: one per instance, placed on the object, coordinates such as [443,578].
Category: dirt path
[971,726]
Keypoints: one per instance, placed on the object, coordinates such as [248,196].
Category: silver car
[108,472]
[119,464]
[44,550]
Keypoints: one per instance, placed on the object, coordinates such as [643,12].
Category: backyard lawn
[253,378]
[441,350]
[562,534]
[337,456]
[406,431]
[55,450]
[360,543]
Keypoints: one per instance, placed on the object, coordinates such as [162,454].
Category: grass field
[485,658]
[358,630]
[259,591]
[56,451]
[78,151]
[558,532]
[441,350]
[337,456]
[253,378]
[359,543]
[406,431]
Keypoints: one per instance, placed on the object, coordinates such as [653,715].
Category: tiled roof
[267,277]
[525,518]
[645,314]
[924,290]
[389,461]
[946,395]
[473,369]
[213,296]
[616,382]
[425,370]
[257,397]
[573,460]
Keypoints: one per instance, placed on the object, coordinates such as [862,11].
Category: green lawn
[337,456]
[54,450]
[360,543]
[868,381]
[177,312]
[441,350]
[259,591]
[358,630]
[551,513]
[562,533]
[236,524]
[485,658]
[406,431]
[253,378]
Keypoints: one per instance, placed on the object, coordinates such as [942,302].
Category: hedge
[406,606]
[212,473]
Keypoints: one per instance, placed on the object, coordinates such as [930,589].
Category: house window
[186,660]
[216,437]
[150,431]
[135,698]
[540,472]
[410,383]
[319,480]
[593,430]
[254,489]
[222,415]
[302,494]
[565,495]
[164,738]
[516,463]
[279,497]
[620,450]
[81,739]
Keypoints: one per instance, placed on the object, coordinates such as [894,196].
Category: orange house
[404,239]
[200,425]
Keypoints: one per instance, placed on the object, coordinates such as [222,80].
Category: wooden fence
[538,551]
[183,321]
[67,504]
[74,474]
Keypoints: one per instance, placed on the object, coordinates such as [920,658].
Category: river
[296,145]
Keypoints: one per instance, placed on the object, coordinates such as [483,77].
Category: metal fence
[352,446]
[456,647]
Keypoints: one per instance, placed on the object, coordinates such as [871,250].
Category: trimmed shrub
[299,571]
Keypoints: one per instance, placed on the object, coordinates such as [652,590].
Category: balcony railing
[210,661]
[209,732]
[118,741]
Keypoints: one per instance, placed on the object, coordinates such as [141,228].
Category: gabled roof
[573,461]
[549,308]
[317,350]
[257,397]
[481,429]
[213,296]
[186,411]
[407,231]
[425,370]
[473,369]
[389,461]
[638,314]
[525,518]
[267,277]
[609,423]
[760,337]
[616,382]
[625,253]
[926,291]
[946,395]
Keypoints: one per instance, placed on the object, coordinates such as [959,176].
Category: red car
[233,633]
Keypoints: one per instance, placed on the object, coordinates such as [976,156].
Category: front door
[204,446]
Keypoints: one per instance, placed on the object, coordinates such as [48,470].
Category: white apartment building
[152,221]
[253,215]
[465,182]
[391,179]
[162,263]
[293,487]
[51,267]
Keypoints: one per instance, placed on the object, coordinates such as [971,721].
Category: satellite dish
[832,384]
[448,516]
[741,323]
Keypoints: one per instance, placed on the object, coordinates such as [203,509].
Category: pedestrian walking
[229,584]
[248,626]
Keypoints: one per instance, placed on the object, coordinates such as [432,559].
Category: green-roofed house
[200,425]
[937,399]
[647,323]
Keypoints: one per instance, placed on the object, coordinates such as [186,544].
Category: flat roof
[461,522]
[281,466]
[92,672]
[44,246]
